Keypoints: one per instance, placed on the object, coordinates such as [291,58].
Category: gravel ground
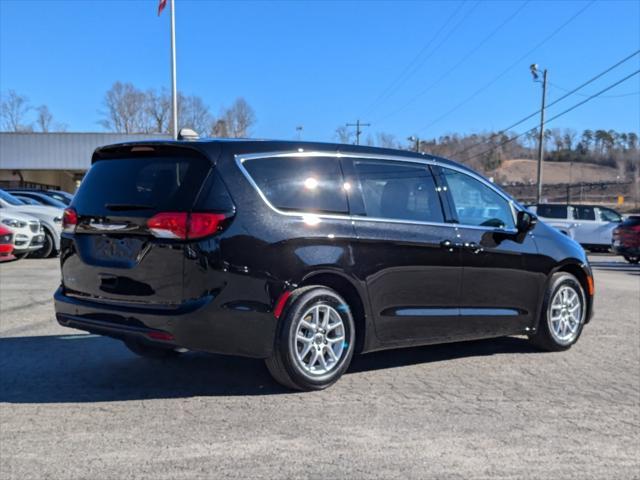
[81,406]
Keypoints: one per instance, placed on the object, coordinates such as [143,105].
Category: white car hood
[39,211]
[7,213]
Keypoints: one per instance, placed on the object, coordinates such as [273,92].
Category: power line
[564,112]
[411,67]
[570,92]
[510,67]
[630,94]
[462,61]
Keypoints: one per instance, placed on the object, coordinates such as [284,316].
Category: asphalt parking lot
[80,406]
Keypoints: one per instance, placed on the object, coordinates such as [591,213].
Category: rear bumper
[196,325]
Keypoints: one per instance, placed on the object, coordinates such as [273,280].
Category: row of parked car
[31,222]
[595,227]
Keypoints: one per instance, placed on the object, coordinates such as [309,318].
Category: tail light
[69,220]
[184,226]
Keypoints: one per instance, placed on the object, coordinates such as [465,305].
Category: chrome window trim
[241,158]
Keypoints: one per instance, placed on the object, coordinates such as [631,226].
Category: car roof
[209,146]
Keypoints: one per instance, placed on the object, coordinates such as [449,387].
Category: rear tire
[563,314]
[632,259]
[147,350]
[315,340]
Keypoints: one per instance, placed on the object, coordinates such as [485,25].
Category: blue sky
[322,64]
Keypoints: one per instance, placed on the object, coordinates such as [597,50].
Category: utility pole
[535,72]
[358,131]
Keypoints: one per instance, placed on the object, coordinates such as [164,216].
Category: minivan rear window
[313,184]
[120,185]
[552,211]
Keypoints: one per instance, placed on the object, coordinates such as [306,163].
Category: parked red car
[626,239]
[6,244]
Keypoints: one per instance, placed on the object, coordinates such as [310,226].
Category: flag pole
[174,90]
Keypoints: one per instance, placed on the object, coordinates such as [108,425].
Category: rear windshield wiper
[128,206]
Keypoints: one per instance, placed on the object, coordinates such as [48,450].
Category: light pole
[415,140]
[299,129]
[535,71]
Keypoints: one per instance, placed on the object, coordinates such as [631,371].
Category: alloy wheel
[319,341]
[565,314]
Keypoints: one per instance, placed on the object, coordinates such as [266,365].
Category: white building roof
[59,150]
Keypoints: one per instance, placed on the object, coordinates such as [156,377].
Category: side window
[397,190]
[475,203]
[312,184]
[584,213]
[552,211]
[608,215]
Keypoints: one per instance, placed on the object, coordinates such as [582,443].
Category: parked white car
[28,235]
[50,218]
[590,225]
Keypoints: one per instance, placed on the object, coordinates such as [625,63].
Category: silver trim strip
[241,158]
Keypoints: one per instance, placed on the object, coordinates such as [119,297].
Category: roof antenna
[188,134]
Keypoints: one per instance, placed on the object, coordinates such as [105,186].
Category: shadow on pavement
[88,368]
[633,269]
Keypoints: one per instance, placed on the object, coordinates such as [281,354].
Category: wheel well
[579,273]
[346,290]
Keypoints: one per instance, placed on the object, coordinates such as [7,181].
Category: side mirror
[525,221]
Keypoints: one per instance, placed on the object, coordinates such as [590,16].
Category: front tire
[315,340]
[46,249]
[563,314]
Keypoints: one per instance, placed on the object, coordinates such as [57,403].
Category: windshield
[10,199]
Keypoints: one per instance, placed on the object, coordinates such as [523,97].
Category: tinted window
[155,184]
[608,215]
[214,195]
[396,190]
[305,183]
[552,211]
[475,203]
[584,213]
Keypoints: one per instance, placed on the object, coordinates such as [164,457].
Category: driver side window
[475,203]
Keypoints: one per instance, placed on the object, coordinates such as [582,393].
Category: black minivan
[305,253]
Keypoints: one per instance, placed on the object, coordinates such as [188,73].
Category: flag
[161,5]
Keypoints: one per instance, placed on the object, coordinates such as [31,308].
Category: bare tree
[44,118]
[343,134]
[239,118]
[13,109]
[219,129]
[386,140]
[157,110]
[193,113]
[125,108]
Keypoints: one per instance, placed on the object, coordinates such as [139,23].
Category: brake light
[204,224]
[181,225]
[69,220]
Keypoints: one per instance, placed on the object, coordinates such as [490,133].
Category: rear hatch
[131,221]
